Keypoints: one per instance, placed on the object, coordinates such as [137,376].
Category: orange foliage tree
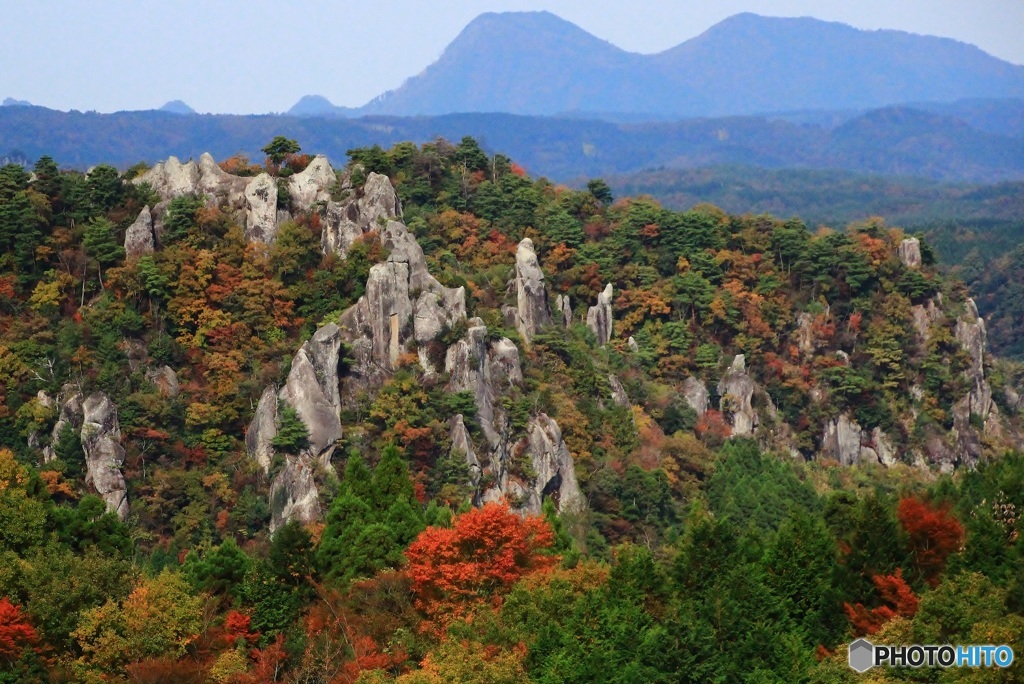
[898,596]
[485,552]
[934,535]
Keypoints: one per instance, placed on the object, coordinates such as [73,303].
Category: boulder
[312,184]
[736,390]
[599,317]
[909,252]
[696,395]
[261,209]
[104,455]
[531,292]
[138,239]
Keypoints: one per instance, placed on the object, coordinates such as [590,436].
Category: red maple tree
[15,631]
[486,551]
[898,596]
[934,535]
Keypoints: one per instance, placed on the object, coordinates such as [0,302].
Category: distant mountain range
[968,141]
[534,63]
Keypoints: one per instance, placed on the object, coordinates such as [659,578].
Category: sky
[261,56]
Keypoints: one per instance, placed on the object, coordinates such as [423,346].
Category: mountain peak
[177,107]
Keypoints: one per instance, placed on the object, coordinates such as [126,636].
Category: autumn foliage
[899,598]
[486,551]
[15,631]
[934,535]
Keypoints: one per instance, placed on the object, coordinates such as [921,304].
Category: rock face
[531,292]
[312,390]
[841,440]
[909,252]
[350,219]
[564,310]
[553,465]
[696,395]
[463,444]
[104,455]
[171,178]
[313,184]
[970,332]
[599,317]
[736,390]
[261,209]
[138,239]
[294,494]
[165,379]
[385,320]
[488,370]
[618,392]
[262,430]
[70,413]
[925,316]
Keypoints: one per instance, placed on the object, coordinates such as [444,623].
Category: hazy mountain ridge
[537,63]
[897,140]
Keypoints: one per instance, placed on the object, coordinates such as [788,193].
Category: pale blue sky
[258,56]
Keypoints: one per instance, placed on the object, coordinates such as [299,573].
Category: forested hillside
[426,419]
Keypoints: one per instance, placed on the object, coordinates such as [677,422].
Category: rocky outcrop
[531,292]
[462,444]
[841,440]
[805,333]
[488,370]
[402,303]
[312,390]
[883,448]
[259,437]
[349,220]
[909,252]
[553,466]
[696,395]
[171,178]
[220,186]
[261,209]
[736,390]
[563,310]
[165,379]
[294,494]
[104,455]
[138,239]
[69,402]
[970,332]
[925,316]
[312,184]
[599,317]
[618,392]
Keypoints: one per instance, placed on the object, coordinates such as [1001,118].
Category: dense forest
[727,527]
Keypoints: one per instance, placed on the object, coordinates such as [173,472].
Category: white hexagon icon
[862,655]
